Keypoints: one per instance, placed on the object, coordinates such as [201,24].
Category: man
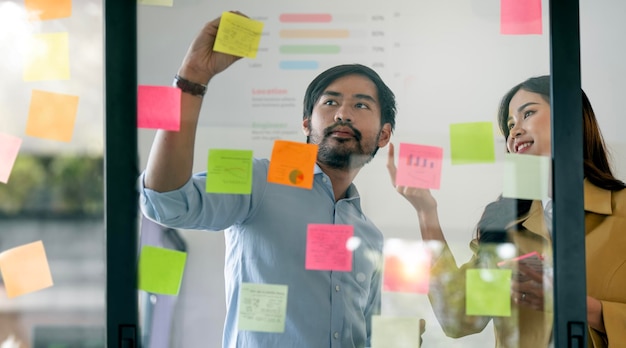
[349,113]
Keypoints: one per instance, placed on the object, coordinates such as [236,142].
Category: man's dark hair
[385,96]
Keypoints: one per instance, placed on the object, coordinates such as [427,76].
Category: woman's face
[529,125]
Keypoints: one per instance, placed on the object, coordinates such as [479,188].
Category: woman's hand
[420,199]
[530,287]
[201,63]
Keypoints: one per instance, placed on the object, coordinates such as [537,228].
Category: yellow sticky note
[48,9]
[169,3]
[161,270]
[52,115]
[292,164]
[472,143]
[229,171]
[262,307]
[488,292]
[238,35]
[48,58]
[396,332]
[526,176]
[25,269]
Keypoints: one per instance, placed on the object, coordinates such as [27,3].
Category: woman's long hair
[597,168]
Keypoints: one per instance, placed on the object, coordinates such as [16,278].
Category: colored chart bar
[305,18]
[298,65]
[314,33]
[309,49]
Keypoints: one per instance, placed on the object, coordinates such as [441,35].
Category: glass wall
[449,64]
[51,174]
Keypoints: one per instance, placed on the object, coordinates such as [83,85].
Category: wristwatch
[189,87]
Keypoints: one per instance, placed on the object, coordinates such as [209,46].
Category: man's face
[345,123]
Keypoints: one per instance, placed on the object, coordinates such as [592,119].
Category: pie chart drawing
[296,176]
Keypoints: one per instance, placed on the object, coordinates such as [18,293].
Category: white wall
[447,63]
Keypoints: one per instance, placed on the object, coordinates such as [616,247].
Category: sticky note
[520,17]
[158,107]
[406,267]
[238,35]
[472,143]
[488,292]
[419,166]
[9,148]
[292,164]
[327,247]
[168,3]
[161,270]
[396,332]
[48,58]
[229,171]
[526,176]
[25,269]
[262,307]
[51,115]
[48,9]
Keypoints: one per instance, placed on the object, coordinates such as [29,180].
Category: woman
[524,119]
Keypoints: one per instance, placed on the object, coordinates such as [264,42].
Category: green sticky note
[488,292]
[262,307]
[397,332]
[161,270]
[472,143]
[168,3]
[526,176]
[229,171]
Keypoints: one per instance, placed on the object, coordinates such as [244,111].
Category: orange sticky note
[292,164]
[407,266]
[520,17]
[158,107]
[48,9]
[52,115]
[419,166]
[9,147]
[25,269]
[327,247]
[48,58]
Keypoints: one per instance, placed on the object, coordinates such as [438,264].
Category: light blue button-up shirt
[265,236]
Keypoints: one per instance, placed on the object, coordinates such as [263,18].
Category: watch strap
[189,87]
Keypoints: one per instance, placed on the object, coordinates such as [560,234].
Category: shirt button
[337,288]
[336,335]
[324,179]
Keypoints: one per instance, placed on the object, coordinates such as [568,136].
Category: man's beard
[339,156]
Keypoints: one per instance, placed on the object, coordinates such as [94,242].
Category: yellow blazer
[605,218]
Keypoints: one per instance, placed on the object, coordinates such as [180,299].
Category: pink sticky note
[158,107]
[327,247]
[9,147]
[520,17]
[419,166]
[407,267]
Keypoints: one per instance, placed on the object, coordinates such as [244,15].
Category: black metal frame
[121,171]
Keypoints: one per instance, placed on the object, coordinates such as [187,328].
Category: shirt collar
[351,194]
[597,200]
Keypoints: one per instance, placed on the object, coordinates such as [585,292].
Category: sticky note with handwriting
[48,57]
[262,307]
[488,292]
[9,148]
[161,270]
[472,142]
[292,163]
[520,17]
[48,9]
[52,115]
[229,171]
[238,35]
[419,166]
[327,247]
[25,269]
[158,107]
